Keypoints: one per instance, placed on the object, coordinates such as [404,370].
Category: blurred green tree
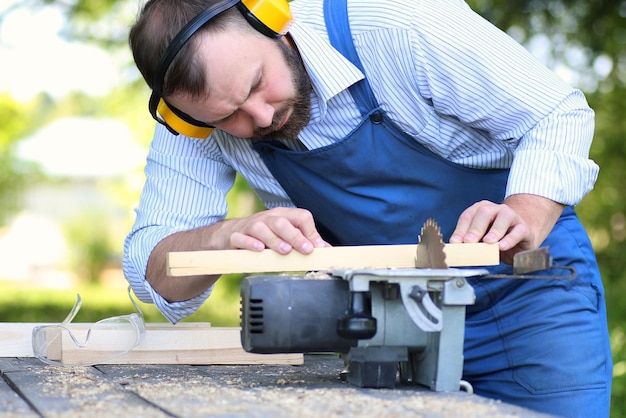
[15,173]
[90,245]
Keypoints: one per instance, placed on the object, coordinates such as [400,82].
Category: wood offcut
[184,343]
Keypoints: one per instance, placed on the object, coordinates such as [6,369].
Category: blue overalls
[541,344]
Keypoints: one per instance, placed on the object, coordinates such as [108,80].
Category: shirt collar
[330,72]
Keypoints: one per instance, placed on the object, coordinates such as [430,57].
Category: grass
[22,303]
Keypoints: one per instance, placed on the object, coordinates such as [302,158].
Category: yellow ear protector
[270,17]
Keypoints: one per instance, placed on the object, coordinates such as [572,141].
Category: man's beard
[300,105]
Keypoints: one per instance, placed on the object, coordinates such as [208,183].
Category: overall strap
[338,28]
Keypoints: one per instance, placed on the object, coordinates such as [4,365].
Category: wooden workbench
[29,388]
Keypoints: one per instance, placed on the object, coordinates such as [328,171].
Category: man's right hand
[280,229]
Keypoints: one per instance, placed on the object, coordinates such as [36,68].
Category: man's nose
[262,113]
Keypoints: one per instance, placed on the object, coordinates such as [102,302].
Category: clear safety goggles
[69,344]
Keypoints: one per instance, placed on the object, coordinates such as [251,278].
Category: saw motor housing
[390,325]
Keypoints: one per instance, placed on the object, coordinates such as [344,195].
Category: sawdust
[232,391]
[196,401]
[289,398]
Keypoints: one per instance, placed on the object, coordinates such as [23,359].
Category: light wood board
[183,343]
[188,263]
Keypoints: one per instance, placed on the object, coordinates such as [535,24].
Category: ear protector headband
[270,17]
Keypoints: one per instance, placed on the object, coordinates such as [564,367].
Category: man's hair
[157,24]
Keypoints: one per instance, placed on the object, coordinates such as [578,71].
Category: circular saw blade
[430,247]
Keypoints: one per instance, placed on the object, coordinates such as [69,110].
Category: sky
[34,58]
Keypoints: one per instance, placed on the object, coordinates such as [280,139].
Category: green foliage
[104,22]
[604,214]
[129,103]
[618,393]
[90,245]
[35,304]
[605,210]
[14,173]
[242,201]
[14,122]
[618,345]
[600,26]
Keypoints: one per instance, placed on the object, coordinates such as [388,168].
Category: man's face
[258,87]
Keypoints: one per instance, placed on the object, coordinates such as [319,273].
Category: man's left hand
[522,222]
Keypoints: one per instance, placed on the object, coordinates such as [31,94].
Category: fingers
[280,229]
[489,222]
[474,223]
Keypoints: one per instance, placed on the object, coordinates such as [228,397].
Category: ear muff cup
[272,18]
[182,123]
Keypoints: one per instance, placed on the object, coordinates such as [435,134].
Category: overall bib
[542,344]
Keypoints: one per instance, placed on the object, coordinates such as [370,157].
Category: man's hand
[521,223]
[280,229]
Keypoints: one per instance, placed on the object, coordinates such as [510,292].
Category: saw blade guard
[420,307]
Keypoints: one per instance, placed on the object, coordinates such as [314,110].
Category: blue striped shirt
[447,77]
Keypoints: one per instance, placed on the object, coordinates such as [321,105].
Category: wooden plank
[188,263]
[162,344]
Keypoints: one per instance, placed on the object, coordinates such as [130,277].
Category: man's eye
[258,84]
